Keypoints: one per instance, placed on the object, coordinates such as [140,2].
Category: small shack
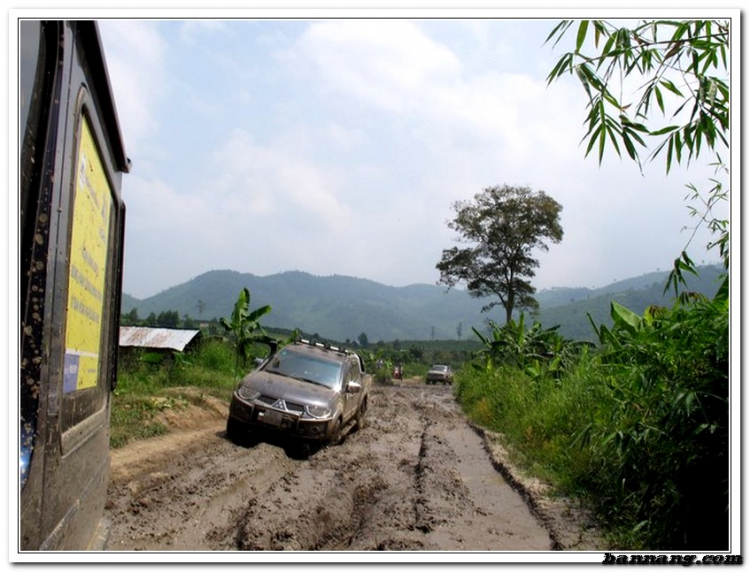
[158,340]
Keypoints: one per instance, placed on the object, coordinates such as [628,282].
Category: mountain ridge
[342,307]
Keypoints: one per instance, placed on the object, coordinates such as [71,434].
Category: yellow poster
[87,273]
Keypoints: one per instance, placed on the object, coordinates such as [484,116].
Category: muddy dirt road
[416,478]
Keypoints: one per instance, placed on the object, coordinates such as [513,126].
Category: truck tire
[360,417]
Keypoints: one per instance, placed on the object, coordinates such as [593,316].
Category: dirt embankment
[418,477]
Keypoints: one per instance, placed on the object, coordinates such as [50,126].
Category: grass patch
[149,383]
[538,418]
[638,428]
[132,419]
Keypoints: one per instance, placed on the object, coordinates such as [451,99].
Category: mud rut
[416,478]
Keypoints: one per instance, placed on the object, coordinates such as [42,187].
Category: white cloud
[395,67]
[275,181]
[135,57]
[390,64]
[195,31]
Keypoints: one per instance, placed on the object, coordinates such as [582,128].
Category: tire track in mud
[168,505]
[416,478]
[402,489]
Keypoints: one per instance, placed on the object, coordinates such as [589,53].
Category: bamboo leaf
[665,130]
[671,87]
[629,147]
[593,140]
[559,30]
[582,29]
[564,64]
[670,151]
[659,98]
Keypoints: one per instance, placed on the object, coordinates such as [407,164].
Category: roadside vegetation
[638,423]
[149,383]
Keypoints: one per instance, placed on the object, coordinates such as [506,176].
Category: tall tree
[504,224]
[363,340]
[131,318]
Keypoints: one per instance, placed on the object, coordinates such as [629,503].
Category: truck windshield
[306,368]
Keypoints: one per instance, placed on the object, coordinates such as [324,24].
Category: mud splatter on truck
[71,228]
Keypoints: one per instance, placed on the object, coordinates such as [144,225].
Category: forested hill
[342,307]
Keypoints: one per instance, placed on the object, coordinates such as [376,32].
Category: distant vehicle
[440,374]
[309,392]
[398,372]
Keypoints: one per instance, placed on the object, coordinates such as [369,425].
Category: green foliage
[664,444]
[680,69]
[537,351]
[378,364]
[168,319]
[146,387]
[244,327]
[214,355]
[640,425]
[165,319]
[679,62]
[363,340]
[658,443]
[153,358]
[504,224]
[536,416]
[130,318]
[131,420]
[417,358]
[417,369]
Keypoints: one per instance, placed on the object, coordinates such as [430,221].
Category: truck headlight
[318,411]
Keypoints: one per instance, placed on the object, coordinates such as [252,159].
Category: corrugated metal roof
[161,338]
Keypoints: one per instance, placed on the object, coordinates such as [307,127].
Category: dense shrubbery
[640,425]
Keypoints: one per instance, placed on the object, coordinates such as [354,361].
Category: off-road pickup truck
[308,391]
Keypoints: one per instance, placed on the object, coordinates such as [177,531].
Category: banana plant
[245,328]
[626,325]
[536,350]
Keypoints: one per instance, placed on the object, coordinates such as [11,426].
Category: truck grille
[277,403]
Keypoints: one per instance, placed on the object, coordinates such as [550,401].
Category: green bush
[149,382]
[132,418]
[415,369]
[215,355]
[538,417]
[661,446]
[640,426]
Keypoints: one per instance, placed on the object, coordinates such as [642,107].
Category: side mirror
[354,387]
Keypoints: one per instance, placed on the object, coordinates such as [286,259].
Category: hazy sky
[337,146]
